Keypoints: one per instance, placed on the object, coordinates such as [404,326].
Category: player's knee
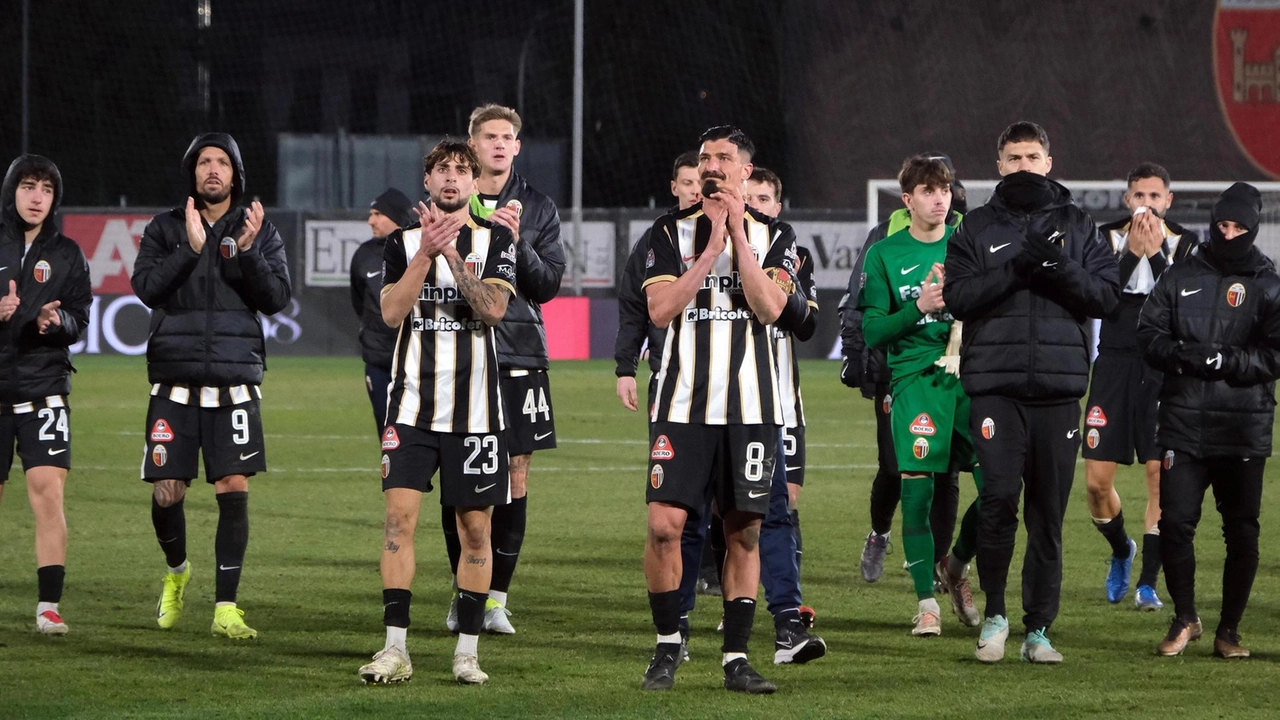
[1177,530]
[747,539]
[473,530]
[168,493]
[231,483]
[664,533]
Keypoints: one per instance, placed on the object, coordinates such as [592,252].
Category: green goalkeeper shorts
[930,422]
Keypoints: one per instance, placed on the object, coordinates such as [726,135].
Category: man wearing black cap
[1024,273]
[44,310]
[206,271]
[388,212]
[1212,325]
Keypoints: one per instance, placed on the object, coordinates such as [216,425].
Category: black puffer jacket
[864,367]
[1027,336]
[633,316]
[1196,301]
[1117,332]
[34,365]
[377,341]
[540,263]
[204,320]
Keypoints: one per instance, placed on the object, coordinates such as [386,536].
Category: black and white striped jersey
[445,367]
[785,347]
[718,362]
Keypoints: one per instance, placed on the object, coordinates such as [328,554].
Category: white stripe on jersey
[446,358]
[239,394]
[788,382]
[411,402]
[478,398]
[208,397]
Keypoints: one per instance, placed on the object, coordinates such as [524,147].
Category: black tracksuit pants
[1035,446]
[1237,493]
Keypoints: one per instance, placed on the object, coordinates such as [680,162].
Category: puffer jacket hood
[25,166]
[227,144]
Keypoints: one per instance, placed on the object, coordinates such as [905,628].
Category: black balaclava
[1026,191]
[1242,204]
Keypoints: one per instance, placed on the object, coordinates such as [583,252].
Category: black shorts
[732,464]
[526,410]
[43,439]
[473,468]
[229,437]
[793,451]
[1120,417]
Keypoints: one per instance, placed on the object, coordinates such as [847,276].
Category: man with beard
[447,285]
[388,212]
[1024,273]
[43,311]
[206,270]
[1212,325]
[1125,393]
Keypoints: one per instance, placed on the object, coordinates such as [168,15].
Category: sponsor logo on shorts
[920,448]
[159,455]
[42,272]
[161,432]
[1235,295]
[655,476]
[386,465]
[390,439]
[1096,418]
[923,425]
[1093,438]
[1168,460]
[988,428]
[227,248]
[662,449]
[887,405]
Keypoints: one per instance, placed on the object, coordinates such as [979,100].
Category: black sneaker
[794,644]
[741,677]
[661,674]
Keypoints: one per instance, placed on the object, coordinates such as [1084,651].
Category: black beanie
[1241,203]
[395,205]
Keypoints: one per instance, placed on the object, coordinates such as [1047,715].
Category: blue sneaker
[995,631]
[1118,575]
[1036,649]
[1146,599]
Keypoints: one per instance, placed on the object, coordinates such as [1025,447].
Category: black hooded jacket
[1198,302]
[377,341]
[540,263]
[204,320]
[36,366]
[1027,335]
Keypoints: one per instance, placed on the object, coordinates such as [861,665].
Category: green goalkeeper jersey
[892,274]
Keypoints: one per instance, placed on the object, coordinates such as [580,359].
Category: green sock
[917,536]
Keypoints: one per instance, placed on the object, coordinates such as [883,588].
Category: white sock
[499,597]
[730,657]
[930,605]
[224,604]
[396,637]
[43,607]
[180,569]
[674,638]
[883,535]
[467,644]
[1101,521]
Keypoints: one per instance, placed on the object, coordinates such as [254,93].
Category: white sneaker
[496,622]
[466,669]
[928,624]
[451,620]
[995,631]
[50,622]
[388,666]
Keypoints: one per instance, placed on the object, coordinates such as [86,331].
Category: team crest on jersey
[227,248]
[1096,418]
[159,455]
[923,425]
[662,449]
[509,254]
[519,206]
[887,405]
[42,272]
[386,466]
[161,432]
[656,476]
[988,428]
[920,448]
[390,439]
[1235,294]
[649,260]
[1168,460]
[1093,438]
[475,263]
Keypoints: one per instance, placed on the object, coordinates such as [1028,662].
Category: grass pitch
[311,586]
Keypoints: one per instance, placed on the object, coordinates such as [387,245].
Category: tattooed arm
[488,300]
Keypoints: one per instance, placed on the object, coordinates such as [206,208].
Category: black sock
[471,611]
[395,607]
[995,605]
[230,542]
[508,537]
[795,525]
[739,616]
[665,608]
[1150,559]
[171,531]
[49,578]
[1114,533]
[452,545]
[786,617]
